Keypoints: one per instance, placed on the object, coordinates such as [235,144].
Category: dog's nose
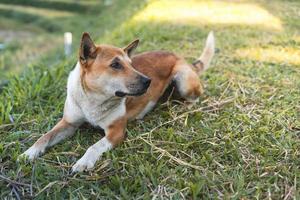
[146,82]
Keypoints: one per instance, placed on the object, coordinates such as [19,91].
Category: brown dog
[108,87]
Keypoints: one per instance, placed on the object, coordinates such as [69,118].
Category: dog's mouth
[123,94]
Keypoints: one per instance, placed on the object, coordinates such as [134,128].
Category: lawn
[241,141]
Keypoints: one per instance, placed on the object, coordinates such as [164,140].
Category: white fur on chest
[98,114]
[97,109]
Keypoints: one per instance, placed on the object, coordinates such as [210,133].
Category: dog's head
[107,70]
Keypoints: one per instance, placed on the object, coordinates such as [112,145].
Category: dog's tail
[203,62]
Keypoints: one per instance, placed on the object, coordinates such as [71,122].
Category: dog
[109,86]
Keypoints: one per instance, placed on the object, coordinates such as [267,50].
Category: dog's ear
[87,48]
[131,47]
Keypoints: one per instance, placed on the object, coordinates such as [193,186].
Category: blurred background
[33,30]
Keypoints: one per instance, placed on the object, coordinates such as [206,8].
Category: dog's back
[167,69]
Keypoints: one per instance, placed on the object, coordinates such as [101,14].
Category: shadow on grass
[55,5]
[24,17]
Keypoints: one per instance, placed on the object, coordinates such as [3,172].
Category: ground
[241,141]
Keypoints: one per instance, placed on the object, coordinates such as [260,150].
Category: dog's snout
[140,86]
[146,81]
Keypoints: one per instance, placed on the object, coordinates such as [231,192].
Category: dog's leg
[148,108]
[115,134]
[59,132]
[187,83]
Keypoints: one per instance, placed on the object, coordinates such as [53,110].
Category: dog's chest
[104,113]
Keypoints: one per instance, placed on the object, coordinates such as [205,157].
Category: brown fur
[159,66]
[116,131]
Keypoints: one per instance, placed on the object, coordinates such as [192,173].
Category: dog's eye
[116,65]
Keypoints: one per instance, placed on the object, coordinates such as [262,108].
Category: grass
[247,148]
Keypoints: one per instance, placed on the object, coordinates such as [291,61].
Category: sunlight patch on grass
[279,55]
[197,13]
[48,13]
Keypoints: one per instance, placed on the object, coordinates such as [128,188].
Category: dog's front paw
[30,154]
[84,164]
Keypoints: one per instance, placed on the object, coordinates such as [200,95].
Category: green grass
[245,149]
